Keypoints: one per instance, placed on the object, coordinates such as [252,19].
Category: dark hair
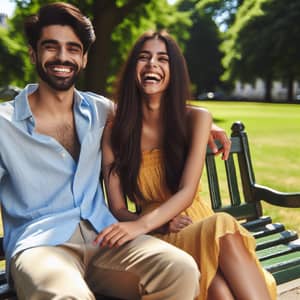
[127,125]
[59,13]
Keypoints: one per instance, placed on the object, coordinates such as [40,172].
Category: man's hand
[218,133]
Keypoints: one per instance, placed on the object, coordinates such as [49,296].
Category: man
[52,203]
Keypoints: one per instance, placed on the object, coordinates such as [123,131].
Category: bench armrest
[275,197]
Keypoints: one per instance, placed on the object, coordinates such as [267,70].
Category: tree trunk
[99,56]
[106,17]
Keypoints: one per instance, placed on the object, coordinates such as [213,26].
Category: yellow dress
[201,239]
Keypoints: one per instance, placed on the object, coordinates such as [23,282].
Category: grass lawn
[274,136]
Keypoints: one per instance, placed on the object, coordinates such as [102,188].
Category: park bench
[277,248]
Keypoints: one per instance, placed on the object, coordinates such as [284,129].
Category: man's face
[59,57]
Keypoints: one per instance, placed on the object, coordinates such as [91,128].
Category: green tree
[117,24]
[202,48]
[11,59]
[264,42]
[222,11]
[245,49]
[155,15]
[282,21]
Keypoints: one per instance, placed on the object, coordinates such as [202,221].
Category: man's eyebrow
[49,41]
[52,41]
[74,44]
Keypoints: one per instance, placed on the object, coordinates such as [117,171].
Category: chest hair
[65,133]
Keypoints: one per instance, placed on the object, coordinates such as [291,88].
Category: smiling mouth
[61,71]
[151,78]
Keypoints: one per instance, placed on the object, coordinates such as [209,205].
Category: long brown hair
[127,125]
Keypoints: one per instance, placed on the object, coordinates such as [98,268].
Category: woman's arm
[115,196]
[199,126]
[218,133]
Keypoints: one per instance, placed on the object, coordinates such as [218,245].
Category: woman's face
[153,71]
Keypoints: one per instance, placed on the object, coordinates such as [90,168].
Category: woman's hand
[179,222]
[118,234]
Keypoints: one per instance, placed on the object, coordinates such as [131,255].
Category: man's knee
[46,295]
[43,273]
[187,271]
[160,270]
[178,273]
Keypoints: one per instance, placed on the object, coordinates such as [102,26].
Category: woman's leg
[240,270]
[219,289]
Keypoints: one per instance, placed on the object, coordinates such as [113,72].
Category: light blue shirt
[44,193]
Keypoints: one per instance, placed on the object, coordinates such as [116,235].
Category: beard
[55,82]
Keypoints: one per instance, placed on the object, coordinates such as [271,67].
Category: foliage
[117,24]
[261,39]
[202,48]
[203,55]
[25,71]
[222,11]
[14,52]
[230,46]
[264,41]
[126,33]
[11,59]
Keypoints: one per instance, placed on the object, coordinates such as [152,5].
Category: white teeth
[151,76]
[65,70]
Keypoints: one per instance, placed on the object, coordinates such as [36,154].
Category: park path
[289,291]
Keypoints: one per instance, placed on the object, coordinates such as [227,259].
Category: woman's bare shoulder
[197,112]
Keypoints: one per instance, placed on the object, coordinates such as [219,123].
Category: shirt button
[63,154]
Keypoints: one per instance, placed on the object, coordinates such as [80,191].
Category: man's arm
[218,133]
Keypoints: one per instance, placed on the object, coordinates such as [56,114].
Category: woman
[153,153]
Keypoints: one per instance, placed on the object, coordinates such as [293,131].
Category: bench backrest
[239,200]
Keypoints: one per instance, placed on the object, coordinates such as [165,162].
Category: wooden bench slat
[261,221]
[267,230]
[7,292]
[278,263]
[213,180]
[2,276]
[241,212]
[232,182]
[276,239]
[274,251]
[295,244]
[287,274]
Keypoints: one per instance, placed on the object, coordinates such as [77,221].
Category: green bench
[277,248]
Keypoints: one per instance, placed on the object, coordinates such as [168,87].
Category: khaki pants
[146,268]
